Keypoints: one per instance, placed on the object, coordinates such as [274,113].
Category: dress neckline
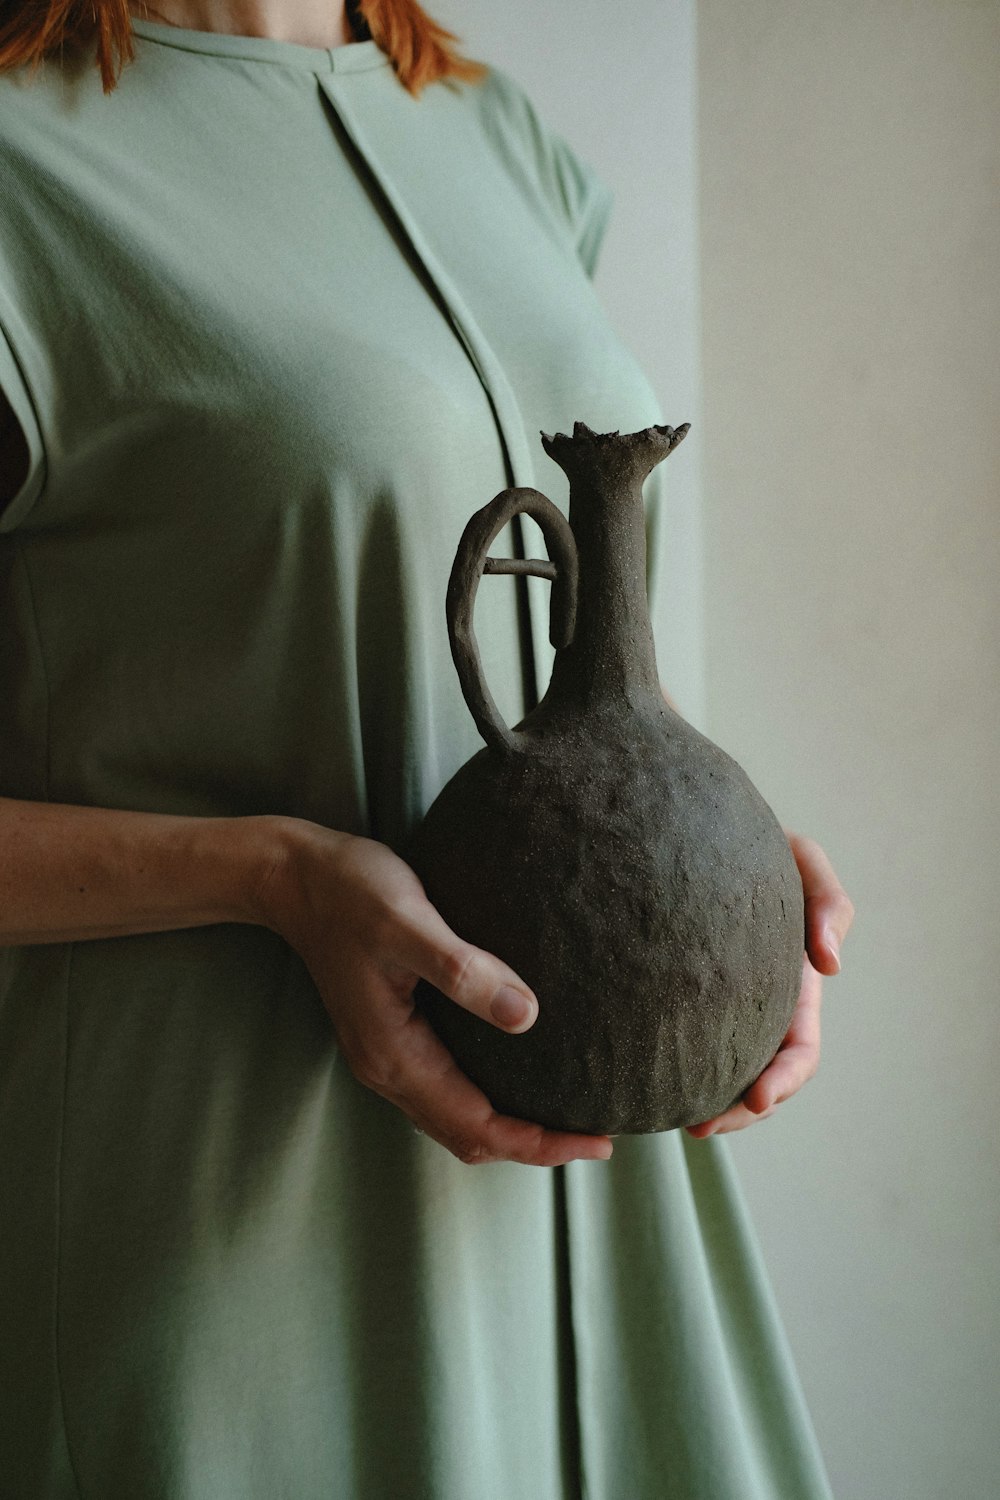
[352,57]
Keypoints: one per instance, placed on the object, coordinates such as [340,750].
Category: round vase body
[645,891]
[622,864]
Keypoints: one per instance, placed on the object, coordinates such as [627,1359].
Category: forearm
[69,873]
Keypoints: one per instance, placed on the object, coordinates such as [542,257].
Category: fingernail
[830,938]
[510,1007]
[604,1152]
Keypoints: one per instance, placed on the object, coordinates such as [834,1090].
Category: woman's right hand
[359,918]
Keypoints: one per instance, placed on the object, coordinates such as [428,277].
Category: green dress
[274,329]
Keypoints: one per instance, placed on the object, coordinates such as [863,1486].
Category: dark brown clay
[623,865]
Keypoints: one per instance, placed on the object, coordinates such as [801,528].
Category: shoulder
[549,166]
[54,83]
[45,110]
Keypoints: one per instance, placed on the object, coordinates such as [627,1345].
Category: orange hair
[420,49]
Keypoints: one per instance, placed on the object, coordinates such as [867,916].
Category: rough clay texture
[618,860]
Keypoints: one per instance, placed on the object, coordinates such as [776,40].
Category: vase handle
[471,562]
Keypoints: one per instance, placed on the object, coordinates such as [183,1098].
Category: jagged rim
[583,434]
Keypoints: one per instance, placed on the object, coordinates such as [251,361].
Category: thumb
[476,980]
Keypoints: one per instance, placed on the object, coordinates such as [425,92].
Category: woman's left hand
[829,913]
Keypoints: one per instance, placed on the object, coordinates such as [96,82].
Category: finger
[431,1089]
[797,1059]
[829,911]
[477,981]
[736,1118]
[791,1068]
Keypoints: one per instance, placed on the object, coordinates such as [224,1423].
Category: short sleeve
[588,201]
[15,389]
[576,195]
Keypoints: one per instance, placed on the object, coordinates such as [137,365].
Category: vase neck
[612,655]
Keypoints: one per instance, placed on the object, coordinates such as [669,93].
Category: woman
[282,301]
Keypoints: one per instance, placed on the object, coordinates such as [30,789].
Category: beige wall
[850,191]
[848,529]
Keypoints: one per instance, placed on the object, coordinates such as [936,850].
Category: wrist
[278,850]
